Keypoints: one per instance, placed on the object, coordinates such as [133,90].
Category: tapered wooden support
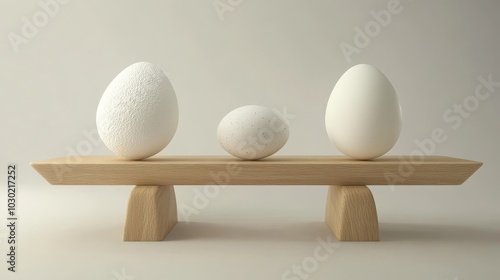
[151,213]
[351,213]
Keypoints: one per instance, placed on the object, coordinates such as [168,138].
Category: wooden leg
[351,213]
[151,213]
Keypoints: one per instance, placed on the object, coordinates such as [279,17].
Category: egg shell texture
[137,115]
[252,132]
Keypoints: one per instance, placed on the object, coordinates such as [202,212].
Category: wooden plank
[275,170]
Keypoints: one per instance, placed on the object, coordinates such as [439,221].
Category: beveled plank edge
[118,180]
[48,171]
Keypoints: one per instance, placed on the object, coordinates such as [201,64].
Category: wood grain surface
[151,213]
[351,213]
[275,170]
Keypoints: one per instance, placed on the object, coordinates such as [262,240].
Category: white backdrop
[442,57]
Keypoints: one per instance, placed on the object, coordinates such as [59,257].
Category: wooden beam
[275,170]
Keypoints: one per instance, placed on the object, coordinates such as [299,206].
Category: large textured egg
[252,132]
[363,115]
[137,115]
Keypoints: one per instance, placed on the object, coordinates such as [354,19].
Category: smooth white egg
[252,132]
[137,115]
[363,116]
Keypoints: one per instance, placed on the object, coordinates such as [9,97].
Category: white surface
[252,132]
[284,55]
[75,233]
[137,115]
[363,115]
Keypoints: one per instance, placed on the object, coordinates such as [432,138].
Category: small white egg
[137,115]
[252,132]
[363,116]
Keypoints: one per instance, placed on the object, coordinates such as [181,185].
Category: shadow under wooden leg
[351,213]
[151,213]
